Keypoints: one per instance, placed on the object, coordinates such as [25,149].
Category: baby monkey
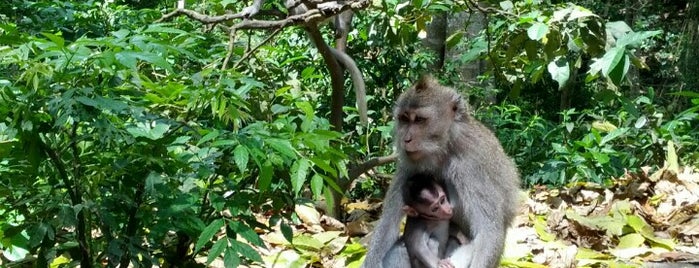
[427,230]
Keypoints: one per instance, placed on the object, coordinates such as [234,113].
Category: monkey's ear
[410,211]
[458,106]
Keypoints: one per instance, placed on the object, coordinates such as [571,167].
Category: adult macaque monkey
[435,134]
[427,229]
[342,23]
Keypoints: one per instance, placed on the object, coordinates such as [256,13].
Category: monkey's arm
[417,237]
[253,9]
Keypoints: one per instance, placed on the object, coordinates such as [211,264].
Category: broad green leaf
[560,71]
[265,178]
[208,233]
[507,5]
[603,126]
[306,242]
[642,228]
[617,28]
[317,186]
[231,258]
[640,122]
[561,14]
[152,131]
[634,39]
[580,12]
[246,250]
[612,226]
[129,59]
[58,40]
[540,228]
[287,231]
[299,172]
[225,3]
[454,39]
[241,157]
[246,232]
[282,146]
[324,165]
[209,136]
[306,108]
[632,240]
[615,133]
[537,31]
[216,250]
[620,70]
[224,143]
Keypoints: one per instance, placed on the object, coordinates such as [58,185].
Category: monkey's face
[422,132]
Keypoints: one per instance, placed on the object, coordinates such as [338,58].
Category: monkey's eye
[434,209]
[420,119]
[403,118]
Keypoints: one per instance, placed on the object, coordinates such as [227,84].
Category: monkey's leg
[397,256]
[460,255]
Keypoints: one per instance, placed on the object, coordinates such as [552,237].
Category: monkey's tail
[357,80]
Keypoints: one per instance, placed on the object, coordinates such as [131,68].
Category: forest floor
[643,220]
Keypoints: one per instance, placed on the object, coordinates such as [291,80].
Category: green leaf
[507,5]
[641,227]
[153,131]
[216,250]
[324,165]
[129,59]
[209,136]
[613,135]
[59,41]
[246,232]
[540,228]
[317,186]
[231,258]
[299,172]
[282,146]
[580,12]
[454,39]
[617,28]
[560,71]
[246,250]
[159,28]
[208,233]
[241,157]
[287,231]
[537,31]
[265,178]
[307,243]
[634,39]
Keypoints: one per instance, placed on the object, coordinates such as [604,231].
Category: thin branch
[251,51]
[323,11]
[369,164]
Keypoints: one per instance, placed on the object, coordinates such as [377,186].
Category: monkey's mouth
[413,155]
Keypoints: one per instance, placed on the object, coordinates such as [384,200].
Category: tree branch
[321,12]
[369,164]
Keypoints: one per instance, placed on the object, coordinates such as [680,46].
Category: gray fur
[481,180]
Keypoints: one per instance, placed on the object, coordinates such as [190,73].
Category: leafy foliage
[125,142]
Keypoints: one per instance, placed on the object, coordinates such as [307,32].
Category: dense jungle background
[133,133]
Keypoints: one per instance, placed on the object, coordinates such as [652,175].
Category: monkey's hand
[250,11]
[461,238]
[445,263]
